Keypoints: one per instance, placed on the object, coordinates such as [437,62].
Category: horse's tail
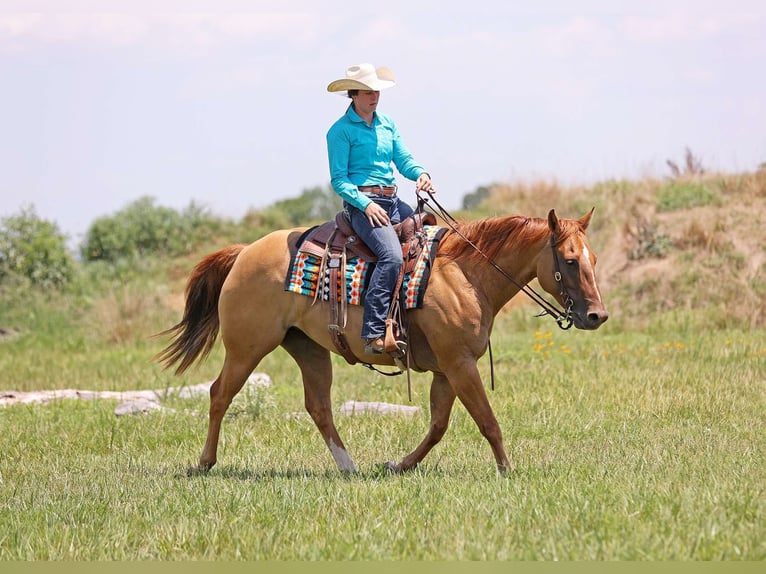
[194,336]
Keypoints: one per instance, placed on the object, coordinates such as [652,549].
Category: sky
[224,103]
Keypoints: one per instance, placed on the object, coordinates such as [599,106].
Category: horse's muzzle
[590,320]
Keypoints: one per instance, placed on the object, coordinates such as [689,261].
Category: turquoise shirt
[362,155]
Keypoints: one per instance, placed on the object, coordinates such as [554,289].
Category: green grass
[679,195]
[630,445]
[643,440]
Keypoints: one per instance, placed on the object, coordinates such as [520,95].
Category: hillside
[693,242]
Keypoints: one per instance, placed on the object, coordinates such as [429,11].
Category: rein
[563,317]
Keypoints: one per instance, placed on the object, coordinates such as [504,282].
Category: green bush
[679,195]
[311,206]
[143,228]
[475,199]
[34,249]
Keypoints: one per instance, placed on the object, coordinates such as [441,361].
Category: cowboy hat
[364,77]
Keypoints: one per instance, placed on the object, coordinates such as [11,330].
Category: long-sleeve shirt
[362,155]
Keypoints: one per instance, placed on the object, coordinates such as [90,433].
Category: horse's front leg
[442,399]
[465,380]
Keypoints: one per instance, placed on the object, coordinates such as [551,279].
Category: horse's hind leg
[316,370]
[442,400]
[233,376]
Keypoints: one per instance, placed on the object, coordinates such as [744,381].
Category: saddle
[333,243]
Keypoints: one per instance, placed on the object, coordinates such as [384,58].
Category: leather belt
[388,190]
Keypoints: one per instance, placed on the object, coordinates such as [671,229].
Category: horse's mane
[491,234]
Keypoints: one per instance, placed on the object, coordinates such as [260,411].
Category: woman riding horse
[361,147]
[241,290]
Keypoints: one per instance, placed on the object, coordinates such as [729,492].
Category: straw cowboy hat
[364,77]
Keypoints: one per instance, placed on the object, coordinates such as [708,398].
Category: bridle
[563,318]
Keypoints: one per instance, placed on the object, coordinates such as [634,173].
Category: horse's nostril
[598,318]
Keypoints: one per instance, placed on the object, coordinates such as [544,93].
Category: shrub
[35,249]
[692,165]
[143,228]
[475,199]
[645,240]
[312,206]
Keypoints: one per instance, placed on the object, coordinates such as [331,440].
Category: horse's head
[567,270]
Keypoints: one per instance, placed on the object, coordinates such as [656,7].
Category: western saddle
[331,243]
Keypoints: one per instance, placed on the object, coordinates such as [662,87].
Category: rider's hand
[424,183]
[376,215]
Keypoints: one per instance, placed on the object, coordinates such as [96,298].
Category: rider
[362,146]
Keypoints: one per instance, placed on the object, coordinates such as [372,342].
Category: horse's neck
[518,261]
[500,287]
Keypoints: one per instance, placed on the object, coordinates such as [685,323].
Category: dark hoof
[197,470]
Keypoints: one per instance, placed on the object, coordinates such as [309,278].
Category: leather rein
[563,317]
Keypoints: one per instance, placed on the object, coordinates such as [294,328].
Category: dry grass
[699,250]
[130,312]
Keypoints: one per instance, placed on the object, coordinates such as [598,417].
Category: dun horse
[241,291]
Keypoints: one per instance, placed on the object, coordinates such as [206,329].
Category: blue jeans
[384,242]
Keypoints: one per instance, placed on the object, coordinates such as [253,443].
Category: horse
[240,290]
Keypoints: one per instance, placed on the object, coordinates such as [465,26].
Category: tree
[36,249]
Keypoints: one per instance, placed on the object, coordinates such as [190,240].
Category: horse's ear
[553,222]
[584,221]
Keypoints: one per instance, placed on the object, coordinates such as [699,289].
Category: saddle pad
[303,274]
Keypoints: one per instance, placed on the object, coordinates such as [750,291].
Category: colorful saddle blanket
[303,275]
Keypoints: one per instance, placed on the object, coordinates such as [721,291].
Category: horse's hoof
[391,467]
[197,470]
[386,469]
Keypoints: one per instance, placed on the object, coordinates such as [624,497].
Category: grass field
[629,446]
[644,440]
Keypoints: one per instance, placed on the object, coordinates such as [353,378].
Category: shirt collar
[354,117]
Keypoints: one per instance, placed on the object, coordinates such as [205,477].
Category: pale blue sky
[224,102]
